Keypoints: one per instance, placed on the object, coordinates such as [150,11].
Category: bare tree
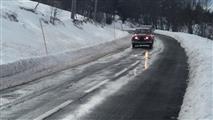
[53,15]
[206,4]
[95,10]
[73,9]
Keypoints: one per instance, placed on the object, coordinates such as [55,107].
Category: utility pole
[95,11]
[73,9]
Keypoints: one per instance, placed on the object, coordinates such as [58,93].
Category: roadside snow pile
[22,36]
[23,57]
[198,100]
[24,71]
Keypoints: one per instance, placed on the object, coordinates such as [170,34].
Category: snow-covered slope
[198,100]
[21,35]
[23,57]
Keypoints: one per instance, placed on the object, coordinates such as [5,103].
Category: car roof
[145,27]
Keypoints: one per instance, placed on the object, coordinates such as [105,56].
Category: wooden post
[36,6]
[45,44]
[114,27]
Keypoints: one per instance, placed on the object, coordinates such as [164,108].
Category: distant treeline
[192,16]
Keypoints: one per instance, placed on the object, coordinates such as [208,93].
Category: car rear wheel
[133,45]
[151,46]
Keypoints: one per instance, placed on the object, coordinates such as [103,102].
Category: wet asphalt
[156,94]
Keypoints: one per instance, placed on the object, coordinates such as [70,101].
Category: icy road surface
[131,84]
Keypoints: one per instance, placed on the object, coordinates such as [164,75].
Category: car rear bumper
[142,42]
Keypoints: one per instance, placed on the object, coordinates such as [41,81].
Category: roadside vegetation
[192,16]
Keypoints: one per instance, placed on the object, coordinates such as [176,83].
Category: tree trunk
[95,10]
[73,9]
[174,28]
[190,30]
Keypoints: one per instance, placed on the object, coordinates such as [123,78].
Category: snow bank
[198,100]
[22,38]
[23,57]
[23,71]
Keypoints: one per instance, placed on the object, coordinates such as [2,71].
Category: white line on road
[61,106]
[138,61]
[126,69]
[96,86]
[121,72]
[50,112]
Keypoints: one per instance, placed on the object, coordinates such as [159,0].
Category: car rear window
[143,31]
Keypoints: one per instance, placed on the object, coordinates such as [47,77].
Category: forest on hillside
[192,16]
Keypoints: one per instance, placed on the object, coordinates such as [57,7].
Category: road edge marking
[121,72]
[54,110]
[126,69]
[96,86]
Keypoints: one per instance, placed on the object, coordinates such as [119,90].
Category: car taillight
[136,38]
[146,38]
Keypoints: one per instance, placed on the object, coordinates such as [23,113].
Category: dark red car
[143,37]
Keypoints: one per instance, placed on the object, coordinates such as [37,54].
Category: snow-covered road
[154,94]
[86,87]
[31,100]
[28,74]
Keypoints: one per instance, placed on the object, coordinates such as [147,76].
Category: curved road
[155,93]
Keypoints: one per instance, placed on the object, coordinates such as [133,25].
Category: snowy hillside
[197,104]
[22,38]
